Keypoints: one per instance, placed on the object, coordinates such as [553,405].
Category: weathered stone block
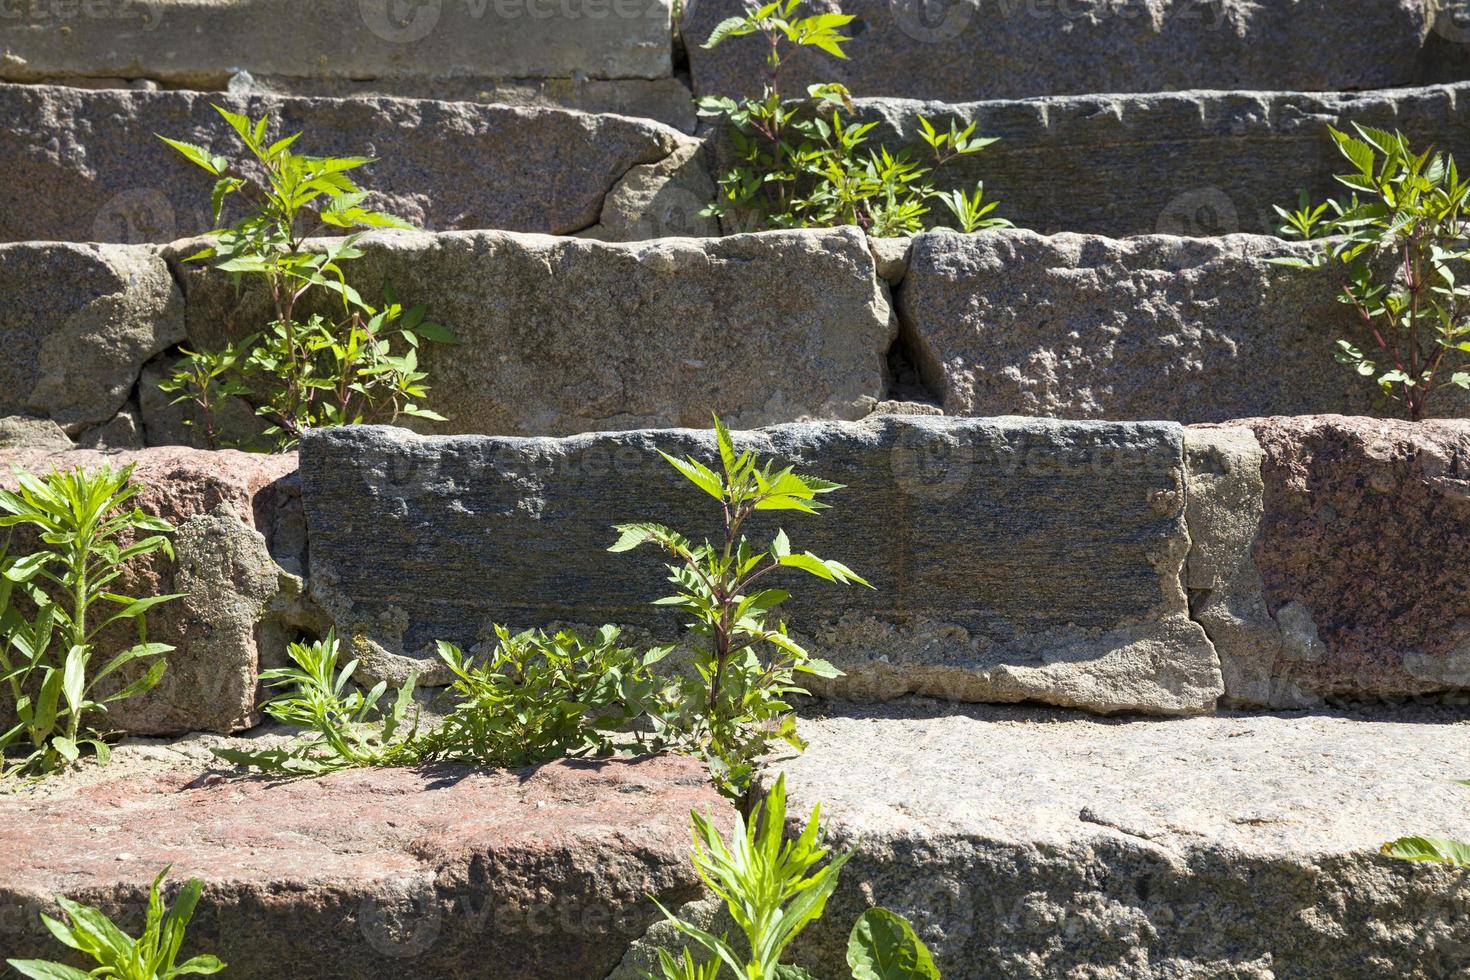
[240,606]
[427,873]
[1006,49]
[1032,843]
[1360,562]
[1179,163]
[558,336]
[201,43]
[77,323]
[84,165]
[1078,326]
[1014,559]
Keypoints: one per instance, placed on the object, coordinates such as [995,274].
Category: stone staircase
[1170,628]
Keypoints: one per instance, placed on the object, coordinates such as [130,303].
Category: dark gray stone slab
[958,50]
[85,165]
[1156,327]
[1192,163]
[202,42]
[1013,559]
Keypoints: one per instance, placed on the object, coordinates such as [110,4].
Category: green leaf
[883,946]
[42,970]
[195,154]
[698,474]
[1438,850]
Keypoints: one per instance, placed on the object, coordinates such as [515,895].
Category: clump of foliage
[539,697]
[773,889]
[152,956]
[358,364]
[734,708]
[346,727]
[533,698]
[1399,244]
[809,165]
[56,601]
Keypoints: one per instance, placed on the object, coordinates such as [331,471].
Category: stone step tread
[438,871]
[1031,842]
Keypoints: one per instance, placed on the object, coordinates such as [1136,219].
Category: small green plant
[152,956]
[808,166]
[733,708]
[359,364]
[1399,244]
[536,698]
[774,888]
[55,603]
[346,727]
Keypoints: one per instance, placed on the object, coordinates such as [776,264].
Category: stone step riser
[1116,567]
[609,55]
[979,49]
[974,49]
[86,166]
[765,328]
[1194,163]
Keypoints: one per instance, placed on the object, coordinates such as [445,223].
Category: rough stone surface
[542,872]
[659,200]
[1013,559]
[1361,555]
[560,336]
[1224,508]
[77,323]
[1036,844]
[666,100]
[240,605]
[84,165]
[30,432]
[1195,163]
[1079,326]
[1006,49]
[200,43]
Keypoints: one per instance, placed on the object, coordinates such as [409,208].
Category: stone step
[767,328]
[1119,567]
[988,49]
[442,871]
[1035,844]
[1192,163]
[608,55]
[85,165]
[1204,163]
